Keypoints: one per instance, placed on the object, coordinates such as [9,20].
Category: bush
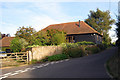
[74,52]
[56,37]
[74,45]
[57,57]
[17,44]
[93,49]
[32,46]
[85,43]
[101,46]
[69,45]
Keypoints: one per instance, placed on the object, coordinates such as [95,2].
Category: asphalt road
[92,66]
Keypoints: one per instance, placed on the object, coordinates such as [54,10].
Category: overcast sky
[39,14]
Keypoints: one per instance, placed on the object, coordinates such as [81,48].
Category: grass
[112,65]
[57,57]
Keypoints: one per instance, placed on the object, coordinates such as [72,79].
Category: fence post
[16,55]
[27,57]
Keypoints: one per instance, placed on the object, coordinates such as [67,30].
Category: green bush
[101,46]
[74,52]
[74,45]
[32,46]
[85,43]
[69,45]
[57,57]
[93,49]
[17,44]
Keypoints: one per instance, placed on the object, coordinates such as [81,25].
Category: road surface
[92,66]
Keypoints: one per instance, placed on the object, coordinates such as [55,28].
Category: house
[4,35]
[77,31]
[5,43]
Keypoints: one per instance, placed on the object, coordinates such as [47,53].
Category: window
[70,39]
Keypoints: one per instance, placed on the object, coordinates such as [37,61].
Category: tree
[25,33]
[118,32]
[56,37]
[39,38]
[49,37]
[101,21]
[17,44]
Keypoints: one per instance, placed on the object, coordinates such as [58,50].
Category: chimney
[79,23]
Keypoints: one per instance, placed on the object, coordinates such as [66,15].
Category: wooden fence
[18,58]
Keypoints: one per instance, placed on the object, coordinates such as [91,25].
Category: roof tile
[72,28]
[5,42]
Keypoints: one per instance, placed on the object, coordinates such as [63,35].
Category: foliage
[118,32]
[102,46]
[25,33]
[18,44]
[32,46]
[93,49]
[40,38]
[74,52]
[85,43]
[106,39]
[101,21]
[57,57]
[69,45]
[73,45]
[50,58]
[56,37]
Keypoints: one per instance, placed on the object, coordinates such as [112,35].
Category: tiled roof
[5,42]
[72,28]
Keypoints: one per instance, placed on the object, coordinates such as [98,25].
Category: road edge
[105,65]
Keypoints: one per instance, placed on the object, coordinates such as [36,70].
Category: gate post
[27,57]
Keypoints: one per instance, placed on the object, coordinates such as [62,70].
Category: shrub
[57,57]
[32,46]
[69,45]
[101,46]
[93,49]
[74,52]
[56,37]
[45,59]
[85,43]
[18,44]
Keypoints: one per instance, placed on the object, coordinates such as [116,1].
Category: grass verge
[112,65]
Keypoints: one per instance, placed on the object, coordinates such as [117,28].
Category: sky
[39,14]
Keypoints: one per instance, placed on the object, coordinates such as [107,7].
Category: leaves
[25,33]
[17,44]
[118,31]
[101,21]
[56,37]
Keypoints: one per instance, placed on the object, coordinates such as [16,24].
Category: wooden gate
[14,59]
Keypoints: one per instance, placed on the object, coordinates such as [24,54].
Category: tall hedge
[18,44]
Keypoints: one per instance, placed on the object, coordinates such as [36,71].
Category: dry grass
[10,62]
